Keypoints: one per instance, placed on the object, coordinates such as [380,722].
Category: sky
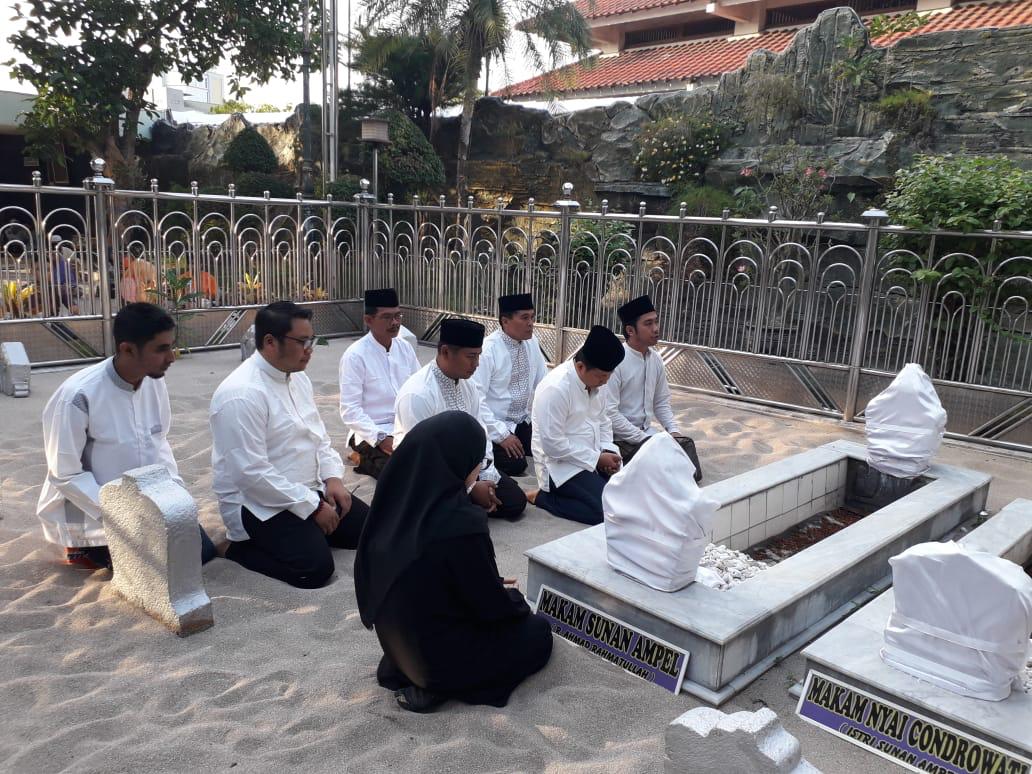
[278,92]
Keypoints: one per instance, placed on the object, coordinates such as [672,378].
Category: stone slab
[151,527]
[735,635]
[850,651]
[15,369]
[247,344]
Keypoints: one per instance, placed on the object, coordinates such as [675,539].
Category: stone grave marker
[15,369]
[151,526]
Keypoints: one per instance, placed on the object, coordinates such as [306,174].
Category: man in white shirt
[639,393]
[372,371]
[444,384]
[104,420]
[574,453]
[511,367]
[278,479]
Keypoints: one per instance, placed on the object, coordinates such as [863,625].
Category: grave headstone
[151,526]
[15,369]
[706,739]
[247,345]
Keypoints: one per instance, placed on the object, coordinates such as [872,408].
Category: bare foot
[532,496]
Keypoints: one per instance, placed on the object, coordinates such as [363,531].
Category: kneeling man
[444,384]
[574,453]
[372,371]
[276,474]
[639,393]
[511,367]
[104,420]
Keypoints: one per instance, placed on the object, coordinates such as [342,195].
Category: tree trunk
[469,99]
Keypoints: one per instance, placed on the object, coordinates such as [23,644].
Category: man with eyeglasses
[372,371]
[277,476]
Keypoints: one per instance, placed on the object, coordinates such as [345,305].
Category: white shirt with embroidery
[95,428]
[370,377]
[571,426]
[429,392]
[507,376]
[639,395]
[270,450]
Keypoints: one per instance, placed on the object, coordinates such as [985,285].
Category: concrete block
[757,509]
[820,482]
[247,345]
[790,496]
[775,501]
[15,369]
[151,527]
[739,516]
[706,739]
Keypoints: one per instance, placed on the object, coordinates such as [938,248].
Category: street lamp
[307,187]
[376,131]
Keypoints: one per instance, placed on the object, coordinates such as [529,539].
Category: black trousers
[578,499]
[371,459]
[514,466]
[295,550]
[628,450]
[514,501]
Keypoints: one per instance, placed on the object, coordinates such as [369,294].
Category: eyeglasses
[308,343]
[396,317]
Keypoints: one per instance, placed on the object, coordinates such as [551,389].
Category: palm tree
[464,34]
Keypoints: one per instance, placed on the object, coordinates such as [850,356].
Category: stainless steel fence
[814,315]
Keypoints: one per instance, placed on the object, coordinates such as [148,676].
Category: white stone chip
[152,532]
[729,567]
[706,739]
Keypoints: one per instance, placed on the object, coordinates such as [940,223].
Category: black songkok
[635,308]
[387,297]
[462,333]
[602,349]
[515,303]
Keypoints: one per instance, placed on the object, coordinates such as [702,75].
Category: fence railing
[836,304]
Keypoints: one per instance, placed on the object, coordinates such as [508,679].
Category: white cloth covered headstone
[657,519]
[905,424]
[962,619]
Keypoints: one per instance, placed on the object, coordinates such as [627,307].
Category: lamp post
[306,119]
[376,131]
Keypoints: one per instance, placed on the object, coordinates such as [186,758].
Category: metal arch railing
[859,298]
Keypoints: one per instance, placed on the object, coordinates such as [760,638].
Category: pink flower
[809,171]
[745,172]
[822,173]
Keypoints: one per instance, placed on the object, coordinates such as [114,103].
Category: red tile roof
[601,8]
[708,58]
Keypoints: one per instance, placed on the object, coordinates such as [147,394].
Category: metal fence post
[102,186]
[874,220]
[567,206]
[363,200]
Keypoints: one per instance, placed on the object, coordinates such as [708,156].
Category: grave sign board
[908,738]
[635,651]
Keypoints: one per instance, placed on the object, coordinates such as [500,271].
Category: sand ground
[285,679]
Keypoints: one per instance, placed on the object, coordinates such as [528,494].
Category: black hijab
[420,499]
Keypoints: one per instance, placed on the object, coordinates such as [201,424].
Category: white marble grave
[151,527]
[705,739]
[247,344]
[15,369]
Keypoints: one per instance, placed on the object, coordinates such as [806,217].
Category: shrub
[790,178]
[908,111]
[772,102]
[702,201]
[409,165]
[344,188]
[256,183]
[250,152]
[675,149]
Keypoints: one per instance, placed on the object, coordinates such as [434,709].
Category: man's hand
[608,463]
[483,494]
[337,495]
[512,446]
[326,517]
[386,445]
[510,582]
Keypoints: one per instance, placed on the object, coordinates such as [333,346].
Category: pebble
[732,566]
[1026,678]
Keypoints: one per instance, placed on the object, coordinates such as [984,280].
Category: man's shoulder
[77,388]
[415,382]
[242,382]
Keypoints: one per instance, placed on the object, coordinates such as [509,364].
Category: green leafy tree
[409,164]
[231,106]
[92,61]
[250,152]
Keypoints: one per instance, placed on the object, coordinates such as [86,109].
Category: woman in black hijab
[426,578]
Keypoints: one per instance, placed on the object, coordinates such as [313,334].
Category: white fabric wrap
[905,424]
[961,620]
[657,519]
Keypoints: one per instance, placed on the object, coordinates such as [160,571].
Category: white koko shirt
[270,451]
[95,428]
[370,377]
[571,426]
[429,392]
[639,394]
[508,391]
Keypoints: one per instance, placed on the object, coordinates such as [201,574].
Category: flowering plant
[675,149]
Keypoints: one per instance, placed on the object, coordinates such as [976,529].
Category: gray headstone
[706,739]
[15,369]
[247,344]
[151,527]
